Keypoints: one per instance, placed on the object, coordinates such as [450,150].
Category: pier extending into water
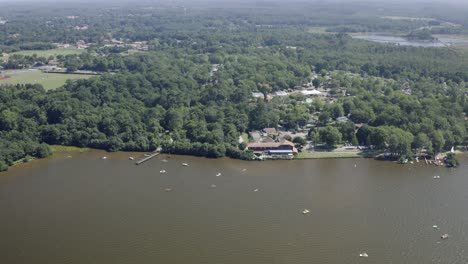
[144,159]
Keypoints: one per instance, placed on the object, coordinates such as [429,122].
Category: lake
[83,209]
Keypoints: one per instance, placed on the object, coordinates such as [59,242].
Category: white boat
[185,164]
[213,186]
[218,174]
[435,226]
[131,158]
[162,171]
[168,190]
[305,211]
[104,158]
[445,236]
[436,177]
[364,255]
[243,170]
[256,190]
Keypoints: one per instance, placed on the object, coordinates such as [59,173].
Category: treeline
[39,23]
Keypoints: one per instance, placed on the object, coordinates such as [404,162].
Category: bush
[43,150]
[3,166]
[451,160]
[242,146]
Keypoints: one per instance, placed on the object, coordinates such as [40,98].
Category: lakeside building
[284,148]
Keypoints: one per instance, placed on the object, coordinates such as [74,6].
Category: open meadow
[47,53]
[48,80]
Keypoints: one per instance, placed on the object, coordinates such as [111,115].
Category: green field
[328,154]
[48,80]
[47,53]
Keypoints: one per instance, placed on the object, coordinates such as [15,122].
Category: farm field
[47,53]
[48,80]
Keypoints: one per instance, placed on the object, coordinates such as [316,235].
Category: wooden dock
[144,159]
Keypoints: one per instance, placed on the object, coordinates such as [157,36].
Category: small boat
[364,255]
[164,160]
[436,177]
[185,164]
[168,190]
[256,190]
[162,171]
[305,211]
[213,186]
[355,165]
[435,227]
[69,156]
[243,170]
[104,158]
[444,236]
[131,158]
[218,174]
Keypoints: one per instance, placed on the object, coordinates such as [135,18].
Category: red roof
[272,144]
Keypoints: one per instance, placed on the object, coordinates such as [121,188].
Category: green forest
[403,99]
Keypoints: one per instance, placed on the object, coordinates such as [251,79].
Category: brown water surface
[87,210]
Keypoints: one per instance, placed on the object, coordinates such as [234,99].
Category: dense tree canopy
[395,98]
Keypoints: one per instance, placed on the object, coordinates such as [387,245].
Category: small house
[270,131]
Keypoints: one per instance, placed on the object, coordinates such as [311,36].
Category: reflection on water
[87,210]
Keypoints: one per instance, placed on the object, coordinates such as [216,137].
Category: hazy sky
[218,1]
[61,2]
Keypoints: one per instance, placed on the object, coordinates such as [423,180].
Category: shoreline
[316,155]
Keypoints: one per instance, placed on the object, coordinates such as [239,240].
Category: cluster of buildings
[264,145]
[311,92]
[80,44]
[81,28]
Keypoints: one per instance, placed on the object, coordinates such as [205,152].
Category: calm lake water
[87,210]
[400,41]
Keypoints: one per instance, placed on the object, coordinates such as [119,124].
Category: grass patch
[48,80]
[47,53]
[59,149]
[327,154]
[245,137]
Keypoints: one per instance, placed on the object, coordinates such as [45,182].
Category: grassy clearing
[327,154]
[317,30]
[59,149]
[48,80]
[47,53]
[245,137]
